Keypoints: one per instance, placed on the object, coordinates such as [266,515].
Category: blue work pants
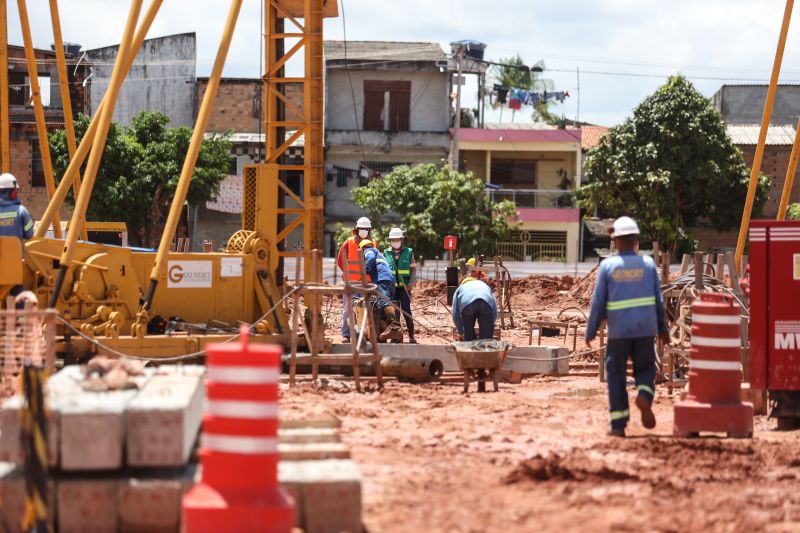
[642,352]
[481,312]
[401,296]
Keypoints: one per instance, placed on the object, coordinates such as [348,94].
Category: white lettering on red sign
[787,334]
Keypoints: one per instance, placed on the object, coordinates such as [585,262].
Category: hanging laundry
[523,96]
[502,93]
[534,99]
[515,104]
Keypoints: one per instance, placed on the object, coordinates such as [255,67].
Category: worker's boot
[648,418]
[392,330]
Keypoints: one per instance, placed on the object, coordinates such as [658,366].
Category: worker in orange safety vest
[349,249]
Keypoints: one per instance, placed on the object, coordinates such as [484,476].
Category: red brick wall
[236,108]
[709,238]
[775,164]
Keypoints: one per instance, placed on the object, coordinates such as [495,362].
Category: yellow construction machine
[116,299]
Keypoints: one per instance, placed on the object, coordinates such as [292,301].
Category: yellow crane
[111,294]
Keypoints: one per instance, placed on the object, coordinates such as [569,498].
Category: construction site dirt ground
[535,456]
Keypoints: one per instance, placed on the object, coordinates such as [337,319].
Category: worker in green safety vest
[401,260]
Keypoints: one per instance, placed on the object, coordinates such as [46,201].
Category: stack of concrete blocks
[316,469]
[119,460]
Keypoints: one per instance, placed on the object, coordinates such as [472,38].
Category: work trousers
[347,305]
[401,296]
[642,352]
[481,312]
[386,290]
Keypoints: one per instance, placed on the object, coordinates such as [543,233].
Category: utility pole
[454,156]
[5,147]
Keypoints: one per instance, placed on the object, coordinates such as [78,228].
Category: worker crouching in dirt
[473,302]
[628,296]
[380,273]
[352,271]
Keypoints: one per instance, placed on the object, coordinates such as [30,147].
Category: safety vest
[353,269]
[402,267]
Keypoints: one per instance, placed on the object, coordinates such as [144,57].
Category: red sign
[450,242]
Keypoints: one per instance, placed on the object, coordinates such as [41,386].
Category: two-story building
[387,104]
[537,167]
[25,155]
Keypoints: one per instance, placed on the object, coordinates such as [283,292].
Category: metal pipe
[99,143]
[191,156]
[63,85]
[38,109]
[790,172]
[5,137]
[762,136]
[86,143]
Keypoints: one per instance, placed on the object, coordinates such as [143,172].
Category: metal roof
[384,51]
[747,134]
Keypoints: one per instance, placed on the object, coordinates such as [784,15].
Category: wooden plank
[698,271]
[313,451]
[325,359]
[306,435]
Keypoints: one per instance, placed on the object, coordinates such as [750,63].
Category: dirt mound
[544,289]
[583,287]
[431,289]
[577,466]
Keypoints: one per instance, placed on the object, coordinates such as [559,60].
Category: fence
[532,251]
[24,334]
[543,198]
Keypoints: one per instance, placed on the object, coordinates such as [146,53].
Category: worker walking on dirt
[628,296]
[15,221]
[349,250]
[380,273]
[404,267]
[473,302]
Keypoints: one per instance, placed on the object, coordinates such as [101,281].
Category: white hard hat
[8,181]
[364,222]
[624,226]
[396,233]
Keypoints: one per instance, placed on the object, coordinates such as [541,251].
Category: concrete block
[313,451]
[411,351]
[13,497]
[92,425]
[163,420]
[329,494]
[88,505]
[150,505]
[10,448]
[538,360]
[308,435]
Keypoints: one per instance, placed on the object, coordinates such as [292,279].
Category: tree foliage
[793,212]
[139,171]
[670,166]
[433,202]
[512,72]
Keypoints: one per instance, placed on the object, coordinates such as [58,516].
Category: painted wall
[161,79]
[429,98]
[549,163]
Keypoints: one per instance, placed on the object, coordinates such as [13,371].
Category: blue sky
[622,47]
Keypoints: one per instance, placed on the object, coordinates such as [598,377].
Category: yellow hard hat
[471,261]
[468,278]
[364,243]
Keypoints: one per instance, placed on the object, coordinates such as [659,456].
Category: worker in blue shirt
[628,296]
[381,274]
[473,302]
[15,221]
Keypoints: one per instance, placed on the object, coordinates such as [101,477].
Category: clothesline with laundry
[516,98]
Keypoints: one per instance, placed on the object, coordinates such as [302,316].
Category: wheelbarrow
[480,360]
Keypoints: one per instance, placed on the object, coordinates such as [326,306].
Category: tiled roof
[747,134]
[384,51]
[591,135]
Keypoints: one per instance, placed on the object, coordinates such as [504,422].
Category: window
[37,167]
[514,173]
[376,94]
[18,89]
[233,166]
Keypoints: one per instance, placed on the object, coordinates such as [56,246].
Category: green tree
[793,212]
[433,202]
[512,72]
[670,166]
[140,169]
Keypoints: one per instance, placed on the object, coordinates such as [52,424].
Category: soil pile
[583,288]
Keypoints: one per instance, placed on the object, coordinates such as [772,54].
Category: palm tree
[512,72]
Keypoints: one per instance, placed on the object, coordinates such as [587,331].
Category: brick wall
[237,108]
[775,164]
[710,239]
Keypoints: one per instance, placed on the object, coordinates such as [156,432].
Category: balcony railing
[551,198]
